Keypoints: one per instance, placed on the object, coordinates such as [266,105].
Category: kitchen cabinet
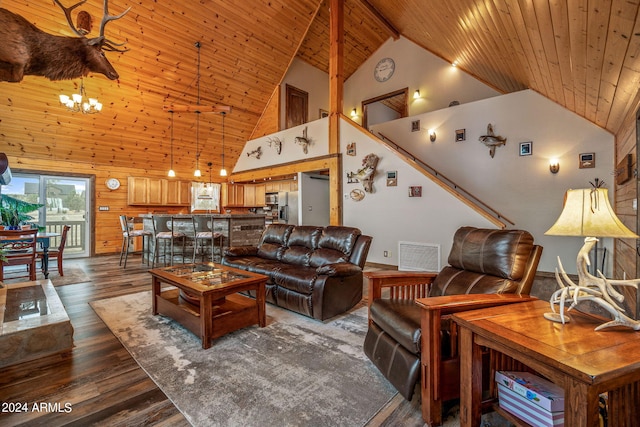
[249,195]
[158,192]
[261,191]
[235,195]
[176,193]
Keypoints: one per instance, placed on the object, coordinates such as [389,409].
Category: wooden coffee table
[212,306]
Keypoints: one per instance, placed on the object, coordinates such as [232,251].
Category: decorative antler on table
[587,212]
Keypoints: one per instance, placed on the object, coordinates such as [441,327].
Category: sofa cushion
[305,235]
[295,278]
[271,251]
[453,281]
[324,256]
[277,234]
[502,253]
[341,239]
[400,319]
[299,255]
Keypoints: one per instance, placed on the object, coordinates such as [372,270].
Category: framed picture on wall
[525,148]
[587,160]
[323,113]
[415,191]
[461,135]
[392,178]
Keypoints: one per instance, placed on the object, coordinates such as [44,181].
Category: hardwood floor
[98,381]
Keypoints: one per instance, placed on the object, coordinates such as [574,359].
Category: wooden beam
[336,95]
[194,108]
[380,18]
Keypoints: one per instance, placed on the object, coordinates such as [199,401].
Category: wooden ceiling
[584,55]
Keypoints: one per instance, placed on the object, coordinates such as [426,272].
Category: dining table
[44,240]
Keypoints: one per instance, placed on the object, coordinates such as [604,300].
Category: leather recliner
[481,261]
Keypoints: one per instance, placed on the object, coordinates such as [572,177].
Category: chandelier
[80,102]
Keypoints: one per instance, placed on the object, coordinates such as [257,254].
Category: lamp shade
[588,213]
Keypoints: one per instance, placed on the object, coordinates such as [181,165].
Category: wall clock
[384,69]
[112,184]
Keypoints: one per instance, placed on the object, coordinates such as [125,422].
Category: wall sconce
[354,113]
[432,135]
[416,94]
[554,165]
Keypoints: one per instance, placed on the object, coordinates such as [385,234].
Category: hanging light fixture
[80,102]
[197,171]
[223,171]
[171,173]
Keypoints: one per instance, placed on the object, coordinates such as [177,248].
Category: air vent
[414,256]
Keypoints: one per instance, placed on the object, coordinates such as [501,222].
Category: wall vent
[414,256]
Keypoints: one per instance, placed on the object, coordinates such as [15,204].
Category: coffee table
[574,356]
[212,306]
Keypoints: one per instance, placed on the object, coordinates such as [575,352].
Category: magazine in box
[527,411]
[538,390]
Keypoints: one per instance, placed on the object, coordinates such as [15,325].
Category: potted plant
[15,212]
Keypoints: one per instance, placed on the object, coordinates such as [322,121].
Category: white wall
[313,196]
[520,187]
[310,79]
[439,83]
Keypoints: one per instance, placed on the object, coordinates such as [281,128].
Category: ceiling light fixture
[171,173]
[197,172]
[77,103]
[223,171]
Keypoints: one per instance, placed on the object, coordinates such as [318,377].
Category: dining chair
[128,232]
[55,252]
[19,249]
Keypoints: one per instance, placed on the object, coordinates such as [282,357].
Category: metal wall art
[276,143]
[365,174]
[255,153]
[491,140]
[304,141]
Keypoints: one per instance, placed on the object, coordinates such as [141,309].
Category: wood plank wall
[107,237]
[625,249]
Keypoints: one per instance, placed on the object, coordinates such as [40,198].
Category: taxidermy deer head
[26,50]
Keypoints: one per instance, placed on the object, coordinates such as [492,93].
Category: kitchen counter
[235,229]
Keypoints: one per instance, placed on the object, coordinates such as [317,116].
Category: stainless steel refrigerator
[288,207]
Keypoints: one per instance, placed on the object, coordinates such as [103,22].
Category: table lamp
[588,213]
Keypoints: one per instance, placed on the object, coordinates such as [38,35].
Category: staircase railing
[459,192]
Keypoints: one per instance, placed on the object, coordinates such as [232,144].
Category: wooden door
[296,106]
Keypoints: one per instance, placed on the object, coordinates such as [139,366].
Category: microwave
[271,199]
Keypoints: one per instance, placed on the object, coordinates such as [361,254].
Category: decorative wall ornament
[276,143]
[304,141]
[491,140]
[366,173]
[26,50]
[356,194]
[255,153]
[351,149]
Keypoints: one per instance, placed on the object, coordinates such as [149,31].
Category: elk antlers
[104,43]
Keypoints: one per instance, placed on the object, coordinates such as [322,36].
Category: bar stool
[204,232]
[128,232]
[166,234]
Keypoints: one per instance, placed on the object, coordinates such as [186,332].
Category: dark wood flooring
[98,381]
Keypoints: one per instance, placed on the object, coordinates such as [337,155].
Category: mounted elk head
[26,50]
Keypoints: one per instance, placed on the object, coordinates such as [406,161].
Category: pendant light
[223,171]
[171,173]
[197,172]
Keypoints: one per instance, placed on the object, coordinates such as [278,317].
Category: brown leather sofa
[404,341]
[315,271]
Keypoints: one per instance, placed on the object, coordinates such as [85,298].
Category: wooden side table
[585,363]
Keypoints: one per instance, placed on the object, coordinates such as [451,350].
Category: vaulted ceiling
[584,55]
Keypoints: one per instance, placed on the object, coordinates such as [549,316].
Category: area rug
[71,276]
[294,372]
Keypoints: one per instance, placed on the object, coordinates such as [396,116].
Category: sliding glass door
[66,202]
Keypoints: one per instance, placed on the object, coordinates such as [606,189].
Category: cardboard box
[537,390]
[527,411]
